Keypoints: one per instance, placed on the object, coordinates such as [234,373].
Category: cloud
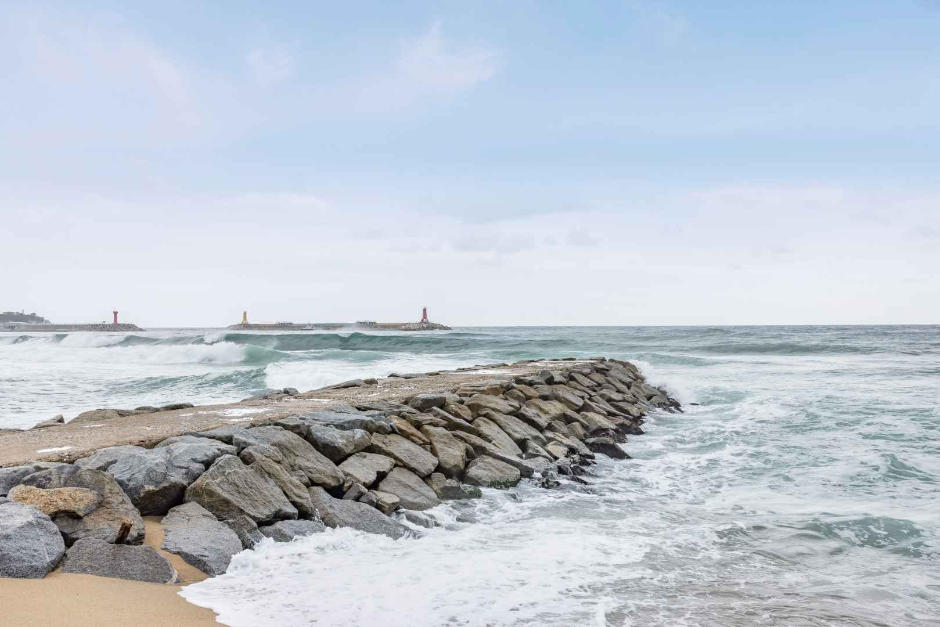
[580,237]
[431,61]
[269,65]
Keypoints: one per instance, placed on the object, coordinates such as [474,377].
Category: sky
[526,163]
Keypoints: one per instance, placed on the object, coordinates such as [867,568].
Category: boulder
[406,453]
[556,449]
[450,452]
[246,529]
[516,395]
[336,444]
[74,502]
[568,398]
[410,489]
[593,423]
[481,447]
[295,491]
[487,472]
[95,415]
[104,458]
[454,423]
[415,518]
[405,429]
[137,563]
[230,488]
[12,476]
[30,543]
[336,513]
[365,468]
[287,530]
[534,450]
[424,402]
[548,410]
[297,453]
[116,520]
[355,492]
[527,390]
[202,541]
[479,402]
[156,479]
[497,436]
[450,489]
[341,420]
[606,446]
[581,380]
[545,392]
[519,431]
[458,410]
[491,387]
[52,422]
[385,502]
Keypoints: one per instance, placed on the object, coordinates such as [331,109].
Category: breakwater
[372,458]
[101,327]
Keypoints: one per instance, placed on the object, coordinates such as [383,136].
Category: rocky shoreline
[373,463]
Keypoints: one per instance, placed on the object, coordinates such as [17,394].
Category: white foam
[55,450]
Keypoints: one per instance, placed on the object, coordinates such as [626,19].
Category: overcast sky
[636,162]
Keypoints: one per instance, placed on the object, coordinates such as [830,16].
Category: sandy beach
[66,599]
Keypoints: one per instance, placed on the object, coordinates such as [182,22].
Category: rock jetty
[371,465]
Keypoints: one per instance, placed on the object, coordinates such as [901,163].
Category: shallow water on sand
[802,491]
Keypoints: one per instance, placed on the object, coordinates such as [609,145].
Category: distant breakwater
[372,466]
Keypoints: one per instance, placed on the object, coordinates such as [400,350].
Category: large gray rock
[490,387]
[339,513]
[287,530]
[12,476]
[246,529]
[410,489]
[30,543]
[52,422]
[365,468]
[527,467]
[519,431]
[104,458]
[497,436]
[458,410]
[95,415]
[593,423]
[545,410]
[450,489]
[202,541]
[568,398]
[295,491]
[424,402]
[74,502]
[409,431]
[487,472]
[116,520]
[156,479]
[336,444]
[606,446]
[479,402]
[450,452]
[118,561]
[454,423]
[406,453]
[230,488]
[343,421]
[296,453]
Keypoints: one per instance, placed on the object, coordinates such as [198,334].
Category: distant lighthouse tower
[115,316]
[244,317]
[424,315]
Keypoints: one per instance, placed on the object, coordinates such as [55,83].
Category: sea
[801,485]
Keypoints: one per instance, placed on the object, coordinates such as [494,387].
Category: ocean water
[800,486]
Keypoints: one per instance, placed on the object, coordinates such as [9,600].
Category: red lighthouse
[424,314]
[115,316]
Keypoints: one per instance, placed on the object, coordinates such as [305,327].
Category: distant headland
[422,325]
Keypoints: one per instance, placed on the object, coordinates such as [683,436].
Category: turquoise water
[802,489]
